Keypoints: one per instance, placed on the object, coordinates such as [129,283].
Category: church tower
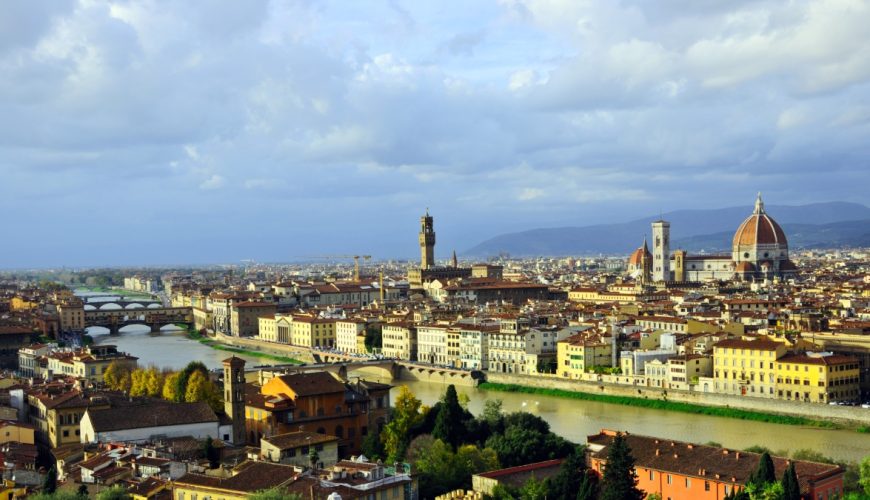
[679,265]
[234,397]
[427,242]
[645,265]
[661,265]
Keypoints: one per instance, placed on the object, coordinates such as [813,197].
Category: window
[669,479]
[706,485]
[688,483]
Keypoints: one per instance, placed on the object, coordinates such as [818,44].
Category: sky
[172,132]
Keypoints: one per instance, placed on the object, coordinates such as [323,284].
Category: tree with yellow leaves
[200,388]
[137,382]
[153,382]
[117,376]
[408,411]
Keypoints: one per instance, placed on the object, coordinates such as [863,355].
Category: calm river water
[572,419]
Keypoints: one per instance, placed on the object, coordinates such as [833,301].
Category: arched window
[339,431]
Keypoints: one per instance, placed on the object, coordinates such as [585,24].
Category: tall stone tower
[427,242]
[661,264]
[234,397]
[679,265]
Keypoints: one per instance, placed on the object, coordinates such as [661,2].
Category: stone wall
[850,415]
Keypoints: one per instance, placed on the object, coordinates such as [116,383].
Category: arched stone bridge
[155,318]
[125,304]
[387,369]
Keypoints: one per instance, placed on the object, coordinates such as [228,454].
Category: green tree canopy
[791,489]
[449,424]
[620,481]
[566,483]
[764,472]
[274,494]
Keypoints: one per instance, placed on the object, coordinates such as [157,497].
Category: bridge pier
[114,329]
[155,327]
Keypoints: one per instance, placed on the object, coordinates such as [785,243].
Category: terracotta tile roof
[152,415]
[760,343]
[817,360]
[297,439]
[249,477]
[706,462]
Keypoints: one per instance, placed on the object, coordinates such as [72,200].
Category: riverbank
[658,404]
[215,344]
[773,410]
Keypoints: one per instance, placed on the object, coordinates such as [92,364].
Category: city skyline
[173,133]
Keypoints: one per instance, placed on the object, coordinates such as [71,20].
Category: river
[572,419]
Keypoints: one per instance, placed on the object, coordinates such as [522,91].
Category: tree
[49,483]
[449,426]
[372,446]
[184,378]
[791,490]
[200,388]
[441,470]
[313,458]
[534,490]
[864,474]
[211,453]
[523,444]
[117,376]
[588,489]
[764,472]
[492,411]
[153,382]
[566,483]
[170,385]
[620,480]
[274,494]
[83,491]
[114,493]
[138,380]
[407,412]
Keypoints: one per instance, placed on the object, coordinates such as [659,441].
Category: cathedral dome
[759,229]
[637,255]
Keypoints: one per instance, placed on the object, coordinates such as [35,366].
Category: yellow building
[10,491]
[56,418]
[22,304]
[580,353]
[313,332]
[16,432]
[202,318]
[747,367]
[818,378]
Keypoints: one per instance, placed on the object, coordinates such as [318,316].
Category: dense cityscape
[434,250]
[310,396]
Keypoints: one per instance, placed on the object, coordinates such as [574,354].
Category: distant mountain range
[818,225]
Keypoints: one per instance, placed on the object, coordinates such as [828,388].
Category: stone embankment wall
[852,415]
[251,344]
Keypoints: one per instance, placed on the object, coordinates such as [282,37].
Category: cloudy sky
[154,132]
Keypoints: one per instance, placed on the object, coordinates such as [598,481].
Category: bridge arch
[110,306]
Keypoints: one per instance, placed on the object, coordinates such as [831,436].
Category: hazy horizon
[172,132]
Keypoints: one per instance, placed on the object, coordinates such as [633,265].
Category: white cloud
[213,182]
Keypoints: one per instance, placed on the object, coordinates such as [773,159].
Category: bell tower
[234,397]
[427,241]
[661,264]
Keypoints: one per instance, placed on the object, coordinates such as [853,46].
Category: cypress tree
[620,480]
[764,473]
[588,489]
[790,486]
[49,484]
[448,424]
[571,474]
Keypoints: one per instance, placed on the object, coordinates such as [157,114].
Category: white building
[144,422]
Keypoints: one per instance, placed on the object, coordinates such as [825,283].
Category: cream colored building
[71,315]
[347,332]
[432,344]
[245,317]
[294,448]
[399,341]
